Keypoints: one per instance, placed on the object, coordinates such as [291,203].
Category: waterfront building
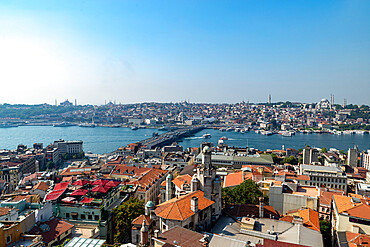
[325,176]
[310,156]
[69,147]
[236,161]
[352,157]
[365,158]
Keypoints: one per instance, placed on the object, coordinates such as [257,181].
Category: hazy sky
[205,51]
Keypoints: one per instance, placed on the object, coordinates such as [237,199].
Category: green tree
[325,228]
[123,216]
[324,150]
[246,193]
[290,160]
[50,165]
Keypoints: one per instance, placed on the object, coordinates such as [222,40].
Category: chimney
[262,208]
[156,233]
[194,204]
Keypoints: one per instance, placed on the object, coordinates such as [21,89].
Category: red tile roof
[57,227]
[41,186]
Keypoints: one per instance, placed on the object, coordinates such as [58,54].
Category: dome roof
[149,204]
[206,149]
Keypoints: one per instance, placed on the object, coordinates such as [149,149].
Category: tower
[144,234]
[209,182]
[269,99]
[169,187]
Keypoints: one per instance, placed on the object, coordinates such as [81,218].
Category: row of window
[82,216]
[334,180]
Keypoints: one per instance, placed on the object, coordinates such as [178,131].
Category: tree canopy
[246,193]
[123,216]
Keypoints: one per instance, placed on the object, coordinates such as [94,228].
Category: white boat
[87,125]
[64,124]
[207,136]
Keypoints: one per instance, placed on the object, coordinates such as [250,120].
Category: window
[8,239]
[83,217]
[89,217]
[96,217]
[67,215]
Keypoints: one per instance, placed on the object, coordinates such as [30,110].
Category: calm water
[103,140]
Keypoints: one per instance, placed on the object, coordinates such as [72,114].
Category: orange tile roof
[41,186]
[326,197]
[179,181]
[179,208]
[310,219]
[139,220]
[150,177]
[357,239]
[234,179]
[287,218]
[345,204]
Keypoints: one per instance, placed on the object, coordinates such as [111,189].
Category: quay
[169,137]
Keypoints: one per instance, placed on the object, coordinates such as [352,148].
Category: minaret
[144,234]
[169,187]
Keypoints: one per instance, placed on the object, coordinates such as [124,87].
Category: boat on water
[87,125]
[224,138]
[134,128]
[287,134]
[207,136]
[7,125]
[63,124]
[266,133]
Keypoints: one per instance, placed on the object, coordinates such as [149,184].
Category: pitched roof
[41,186]
[4,211]
[346,204]
[179,181]
[310,219]
[326,197]
[233,179]
[139,220]
[357,239]
[56,228]
[184,237]
[179,208]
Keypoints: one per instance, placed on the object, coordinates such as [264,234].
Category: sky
[168,51]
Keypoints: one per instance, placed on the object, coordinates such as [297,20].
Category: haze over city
[208,51]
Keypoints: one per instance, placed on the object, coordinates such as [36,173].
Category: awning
[87,200]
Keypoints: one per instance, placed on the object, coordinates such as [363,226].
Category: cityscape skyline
[209,51]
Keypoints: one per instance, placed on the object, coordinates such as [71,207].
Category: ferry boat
[224,138]
[207,136]
[7,125]
[87,125]
[63,124]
